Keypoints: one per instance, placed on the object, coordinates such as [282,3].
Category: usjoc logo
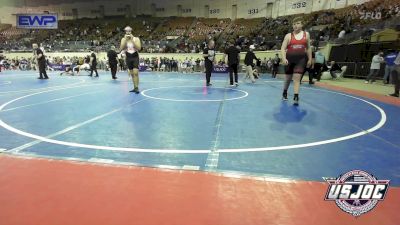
[37,21]
[356,192]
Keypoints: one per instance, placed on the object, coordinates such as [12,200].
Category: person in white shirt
[377,60]
[341,34]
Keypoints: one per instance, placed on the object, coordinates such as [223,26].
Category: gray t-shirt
[376,62]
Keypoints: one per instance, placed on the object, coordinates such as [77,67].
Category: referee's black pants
[113,68]
[42,70]
[209,68]
[233,69]
[93,68]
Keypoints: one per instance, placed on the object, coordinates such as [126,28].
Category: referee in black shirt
[41,60]
[93,64]
[113,61]
[232,57]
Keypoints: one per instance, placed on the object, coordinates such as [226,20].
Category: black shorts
[297,62]
[132,60]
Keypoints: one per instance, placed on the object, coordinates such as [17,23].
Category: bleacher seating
[158,34]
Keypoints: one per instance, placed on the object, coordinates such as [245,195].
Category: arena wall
[183,8]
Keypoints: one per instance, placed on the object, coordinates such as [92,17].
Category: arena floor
[79,148]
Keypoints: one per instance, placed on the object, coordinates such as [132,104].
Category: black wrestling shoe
[209,84]
[284,96]
[394,95]
[296,100]
[136,90]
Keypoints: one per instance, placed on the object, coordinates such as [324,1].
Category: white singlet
[130,47]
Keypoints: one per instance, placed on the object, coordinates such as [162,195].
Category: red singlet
[297,45]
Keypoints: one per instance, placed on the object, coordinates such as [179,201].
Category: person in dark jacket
[232,57]
[113,62]
[41,61]
[93,64]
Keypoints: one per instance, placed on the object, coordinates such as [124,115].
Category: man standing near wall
[375,67]
[275,65]
[389,68]
[319,64]
[41,61]
[396,77]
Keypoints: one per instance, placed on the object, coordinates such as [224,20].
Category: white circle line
[44,88]
[48,140]
[98,147]
[189,100]
[21,75]
[5,82]
[351,136]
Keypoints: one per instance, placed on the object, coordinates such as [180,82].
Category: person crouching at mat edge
[131,46]
[41,61]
